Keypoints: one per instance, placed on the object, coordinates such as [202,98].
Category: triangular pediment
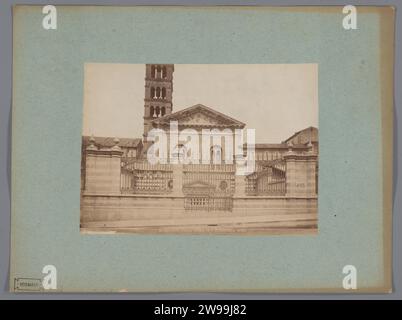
[199,116]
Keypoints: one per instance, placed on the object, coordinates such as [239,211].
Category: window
[179,152]
[216,154]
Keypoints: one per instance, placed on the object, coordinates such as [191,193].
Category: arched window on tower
[164,74]
[163,111]
[151,111]
[163,93]
[152,92]
[153,71]
[157,111]
[158,72]
[158,92]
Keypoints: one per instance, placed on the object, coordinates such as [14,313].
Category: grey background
[5,161]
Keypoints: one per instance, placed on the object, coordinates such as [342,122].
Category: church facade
[122,190]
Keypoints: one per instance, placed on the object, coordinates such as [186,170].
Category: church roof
[274,146]
[311,130]
[271,146]
[215,118]
[108,142]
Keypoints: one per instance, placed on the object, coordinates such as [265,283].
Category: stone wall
[301,174]
[102,169]
[135,211]
[103,205]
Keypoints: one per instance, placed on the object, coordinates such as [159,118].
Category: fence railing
[208,203]
[144,165]
[229,168]
[144,178]
[268,180]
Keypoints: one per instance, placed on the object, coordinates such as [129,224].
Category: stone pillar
[103,169]
[300,174]
[240,186]
[177,180]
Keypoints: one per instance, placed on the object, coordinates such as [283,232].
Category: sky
[274,99]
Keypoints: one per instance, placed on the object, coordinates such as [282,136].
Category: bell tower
[158,94]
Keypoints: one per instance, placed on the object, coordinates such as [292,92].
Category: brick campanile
[158,94]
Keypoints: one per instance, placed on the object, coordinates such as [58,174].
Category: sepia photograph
[200,149]
[191,149]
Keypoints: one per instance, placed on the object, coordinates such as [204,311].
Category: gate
[268,179]
[208,203]
[202,196]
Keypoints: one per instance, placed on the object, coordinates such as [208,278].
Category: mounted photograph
[200,149]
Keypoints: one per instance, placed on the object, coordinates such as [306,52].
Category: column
[177,180]
[103,169]
[300,174]
[240,186]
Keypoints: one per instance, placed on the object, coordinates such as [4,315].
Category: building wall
[162,211]
[109,198]
[224,143]
[269,154]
